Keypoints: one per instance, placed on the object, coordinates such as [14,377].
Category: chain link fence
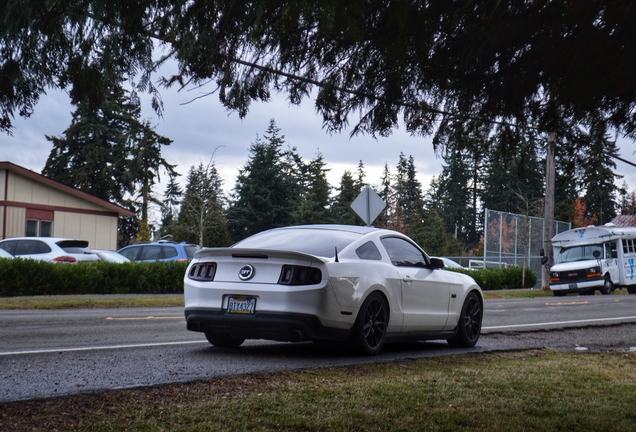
[514,239]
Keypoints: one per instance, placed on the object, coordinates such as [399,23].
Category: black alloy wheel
[369,331]
[469,326]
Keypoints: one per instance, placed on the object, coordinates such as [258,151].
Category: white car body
[51,249]
[423,302]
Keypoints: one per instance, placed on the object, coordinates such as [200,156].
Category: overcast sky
[200,127]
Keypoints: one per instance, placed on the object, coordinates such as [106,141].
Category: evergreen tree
[202,217]
[170,205]
[94,153]
[314,205]
[598,178]
[455,195]
[347,192]
[515,174]
[264,194]
[408,189]
[145,163]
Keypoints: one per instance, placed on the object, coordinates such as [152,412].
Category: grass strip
[511,391]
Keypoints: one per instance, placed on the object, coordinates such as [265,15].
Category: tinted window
[74,246]
[190,250]
[8,245]
[403,253]
[31,247]
[150,253]
[368,251]
[130,253]
[169,252]
[312,241]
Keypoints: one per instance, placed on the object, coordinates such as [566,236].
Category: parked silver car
[341,283]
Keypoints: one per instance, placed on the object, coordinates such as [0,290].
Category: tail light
[299,275]
[64,259]
[202,271]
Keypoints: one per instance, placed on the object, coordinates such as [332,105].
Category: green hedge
[20,277]
[500,278]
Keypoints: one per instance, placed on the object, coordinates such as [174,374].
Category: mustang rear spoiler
[244,253]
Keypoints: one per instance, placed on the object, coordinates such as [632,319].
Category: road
[49,353]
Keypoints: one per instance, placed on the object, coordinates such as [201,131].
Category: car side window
[31,247]
[8,245]
[368,251]
[169,252]
[130,253]
[403,253]
[150,253]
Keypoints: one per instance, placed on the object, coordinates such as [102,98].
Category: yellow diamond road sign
[368,205]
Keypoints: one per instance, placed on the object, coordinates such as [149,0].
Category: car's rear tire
[469,326]
[369,331]
[224,340]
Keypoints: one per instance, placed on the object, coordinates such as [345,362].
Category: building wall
[73,217]
[99,231]
[16,222]
[25,190]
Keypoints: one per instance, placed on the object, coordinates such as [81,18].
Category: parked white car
[5,254]
[341,283]
[49,249]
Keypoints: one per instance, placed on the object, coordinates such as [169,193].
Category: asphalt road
[50,353]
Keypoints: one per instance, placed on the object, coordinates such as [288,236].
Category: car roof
[51,239]
[332,227]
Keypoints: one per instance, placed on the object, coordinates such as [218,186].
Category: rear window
[190,250]
[311,241]
[74,246]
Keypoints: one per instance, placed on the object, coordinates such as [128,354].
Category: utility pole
[548,218]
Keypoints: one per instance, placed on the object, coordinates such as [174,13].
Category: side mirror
[596,254]
[436,263]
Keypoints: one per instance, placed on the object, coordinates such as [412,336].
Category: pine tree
[93,154]
[347,192]
[145,163]
[598,178]
[170,205]
[202,217]
[314,206]
[455,195]
[408,189]
[265,195]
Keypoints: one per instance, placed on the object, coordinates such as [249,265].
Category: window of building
[39,223]
[39,228]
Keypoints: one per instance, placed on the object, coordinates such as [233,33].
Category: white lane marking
[61,350]
[559,322]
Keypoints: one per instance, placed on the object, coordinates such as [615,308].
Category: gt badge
[246,272]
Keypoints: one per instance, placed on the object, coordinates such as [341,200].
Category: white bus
[594,258]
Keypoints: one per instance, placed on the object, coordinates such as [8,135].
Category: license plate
[573,286]
[241,305]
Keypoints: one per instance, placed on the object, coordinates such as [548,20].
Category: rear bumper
[285,327]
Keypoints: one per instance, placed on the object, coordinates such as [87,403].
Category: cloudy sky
[203,125]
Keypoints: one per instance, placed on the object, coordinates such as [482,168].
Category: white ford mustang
[360,285]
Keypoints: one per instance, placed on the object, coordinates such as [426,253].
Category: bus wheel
[608,286]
